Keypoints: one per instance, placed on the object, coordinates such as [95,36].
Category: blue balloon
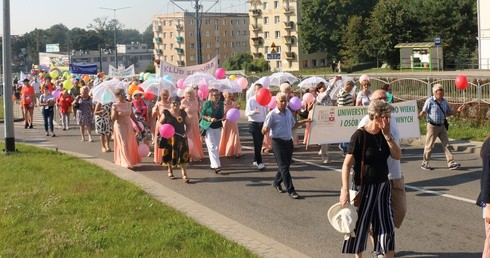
[168,77]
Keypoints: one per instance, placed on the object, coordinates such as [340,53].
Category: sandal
[171,175]
[186,180]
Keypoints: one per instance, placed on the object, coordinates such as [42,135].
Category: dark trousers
[283,151]
[255,128]
[48,115]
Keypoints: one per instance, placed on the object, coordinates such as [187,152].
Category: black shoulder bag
[446,123]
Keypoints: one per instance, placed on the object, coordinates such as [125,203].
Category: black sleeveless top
[177,122]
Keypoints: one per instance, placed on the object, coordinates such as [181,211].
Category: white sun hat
[343,219]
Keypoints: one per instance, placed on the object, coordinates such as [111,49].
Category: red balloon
[461,82]
[263,96]
[149,96]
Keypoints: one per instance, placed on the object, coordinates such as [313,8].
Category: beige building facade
[274,35]
[222,35]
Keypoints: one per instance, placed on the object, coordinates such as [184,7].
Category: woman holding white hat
[369,149]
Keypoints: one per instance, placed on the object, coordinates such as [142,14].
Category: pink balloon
[295,103]
[203,94]
[233,115]
[203,86]
[308,98]
[190,143]
[272,104]
[56,93]
[220,73]
[180,84]
[243,82]
[167,131]
[143,150]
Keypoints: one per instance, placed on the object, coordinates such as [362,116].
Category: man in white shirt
[398,195]
[256,116]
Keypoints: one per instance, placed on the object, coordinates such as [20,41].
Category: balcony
[179,27]
[158,40]
[256,13]
[289,25]
[180,51]
[180,63]
[257,55]
[289,40]
[179,39]
[288,10]
[257,41]
[256,27]
[290,56]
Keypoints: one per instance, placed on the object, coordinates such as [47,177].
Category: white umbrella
[104,92]
[311,82]
[226,84]
[282,77]
[338,85]
[198,78]
[156,85]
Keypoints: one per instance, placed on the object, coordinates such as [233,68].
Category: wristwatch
[389,138]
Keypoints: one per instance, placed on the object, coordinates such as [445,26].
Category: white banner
[121,73]
[182,72]
[331,124]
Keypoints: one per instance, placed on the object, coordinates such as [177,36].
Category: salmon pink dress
[230,144]
[125,144]
[191,107]
[157,156]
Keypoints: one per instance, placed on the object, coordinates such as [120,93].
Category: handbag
[356,191]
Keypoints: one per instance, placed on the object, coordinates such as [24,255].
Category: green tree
[236,61]
[257,65]
[391,22]
[353,50]
[147,36]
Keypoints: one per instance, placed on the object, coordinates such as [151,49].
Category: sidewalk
[258,243]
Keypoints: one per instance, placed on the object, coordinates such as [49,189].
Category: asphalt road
[442,219]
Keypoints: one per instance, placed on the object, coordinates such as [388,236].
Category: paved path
[241,204]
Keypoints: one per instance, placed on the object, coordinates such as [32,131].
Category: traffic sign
[274,56]
[437,41]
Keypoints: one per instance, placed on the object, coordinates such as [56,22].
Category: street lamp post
[115,26]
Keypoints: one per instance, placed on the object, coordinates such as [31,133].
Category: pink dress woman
[125,144]
[191,107]
[158,111]
[230,140]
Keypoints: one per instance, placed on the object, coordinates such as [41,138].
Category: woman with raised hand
[156,112]
[175,150]
[191,105]
[369,148]
[125,144]
[85,110]
[212,115]
[230,145]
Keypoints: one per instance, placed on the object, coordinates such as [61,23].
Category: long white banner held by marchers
[337,124]
[123,73]
[182,72]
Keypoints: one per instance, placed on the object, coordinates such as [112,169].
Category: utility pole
[198,17]
[7,81]
[115,26]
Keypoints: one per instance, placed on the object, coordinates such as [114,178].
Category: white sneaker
[320,152]
[261,166]
[255,164]
[326,161]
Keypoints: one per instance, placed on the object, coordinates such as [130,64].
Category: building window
[225,33]
[264,6]
[164,23]
[164,35]
[170,23]
[278,49]
[266,20]
[191,34]
[278,64]
[277,19]
[171,58]
[164,46]
[207,21]
[277,34]
[314,63]
[172,46]
[266,49]
[207,33]
[171,35]
[192,45]
[276,4]
[191,21]
[305,63]
[244,33]
[165,58]
[216,27]
[266,34]
[217,39]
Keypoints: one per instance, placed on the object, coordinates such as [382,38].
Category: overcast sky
[27,15]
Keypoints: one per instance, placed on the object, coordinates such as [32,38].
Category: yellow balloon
[233,77]
[67,84]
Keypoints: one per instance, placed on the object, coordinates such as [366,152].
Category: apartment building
[222,35]
[274,35]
